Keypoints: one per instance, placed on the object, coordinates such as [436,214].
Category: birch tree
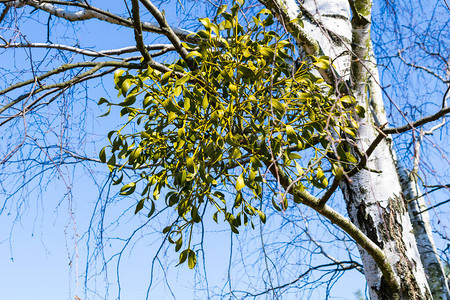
[333,51]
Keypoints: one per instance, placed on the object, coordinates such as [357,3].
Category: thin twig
[88,52]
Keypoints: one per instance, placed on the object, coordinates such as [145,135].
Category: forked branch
[336,218]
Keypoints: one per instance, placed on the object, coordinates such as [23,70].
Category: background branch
[418,123]
[105,53]
[90,12]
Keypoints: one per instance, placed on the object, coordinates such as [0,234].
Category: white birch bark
[421,222]
[374,199]
[424,236]
[334,34]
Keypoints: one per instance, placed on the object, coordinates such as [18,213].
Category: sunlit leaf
[192,260]
[128,189]
[240,182]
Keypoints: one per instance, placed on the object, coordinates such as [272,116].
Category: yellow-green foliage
[215,127]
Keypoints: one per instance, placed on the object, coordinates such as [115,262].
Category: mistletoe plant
[207,132]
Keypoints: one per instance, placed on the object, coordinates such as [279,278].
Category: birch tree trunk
[424,236]
[374,198]
[375,204]
[411,191]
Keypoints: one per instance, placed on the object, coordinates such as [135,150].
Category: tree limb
[345,224]
[357,17]
[168,31]
[33,105]
[90,12]
[417,123]
[138,31]
[432,207]
[421,68]
[67,67]
[92,53]
[361,165]
[95,67]
[4,12]
[350,265]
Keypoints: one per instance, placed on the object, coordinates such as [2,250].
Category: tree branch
[91,12]
[96,160]
[138,31]
[330,191]
[4,12]
[33,105]
[357,17]
[95,67]
[417,123]
[432,207]
[167,31]
[351,265]
[67,67]
[421,68]
[92,53]
[345,224]
[361,165]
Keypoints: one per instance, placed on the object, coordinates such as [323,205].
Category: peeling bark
[434,272]
[376,206]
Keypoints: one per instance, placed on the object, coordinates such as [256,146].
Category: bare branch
[89,12]
[432,207]
[60,90]
[436,187]
[381,135]
[88,52]
[345,224]
[421,68]
[138,31]
[96,160]
[168,31]
[344,265]
[3,14]
[67,67]
[330,191]
[417,123]
[95,67]
[361,165]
